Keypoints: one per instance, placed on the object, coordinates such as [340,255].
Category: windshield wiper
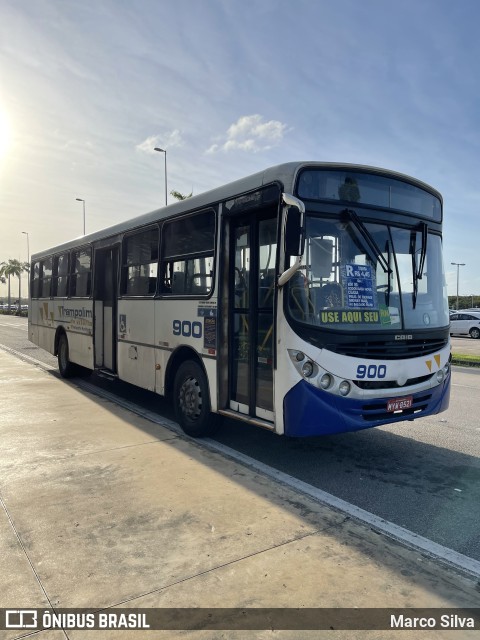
[423,253]
[369,239]
[418,271]
[389,262]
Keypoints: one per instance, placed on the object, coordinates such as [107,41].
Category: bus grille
[390,349]
[390,384]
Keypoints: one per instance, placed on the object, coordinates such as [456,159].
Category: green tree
[13,268]
[180,196]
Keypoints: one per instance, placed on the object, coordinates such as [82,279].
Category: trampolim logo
[66,312]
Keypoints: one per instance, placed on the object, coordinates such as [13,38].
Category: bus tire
[67,369]
[192,401]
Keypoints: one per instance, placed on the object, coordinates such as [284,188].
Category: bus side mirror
[294,231]
[294,234]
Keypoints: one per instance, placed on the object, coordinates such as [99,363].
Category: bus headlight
[307,368]
[325,381]
[440,376]
[344,388]
[322,379]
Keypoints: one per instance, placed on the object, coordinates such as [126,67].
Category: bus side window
[35,291]
[45,278]
[188,255]
[60,276]
[81,280]
[140,263]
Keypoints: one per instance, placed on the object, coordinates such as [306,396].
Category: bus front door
[251,322]
[106,285]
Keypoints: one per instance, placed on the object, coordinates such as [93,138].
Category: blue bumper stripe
[309,411]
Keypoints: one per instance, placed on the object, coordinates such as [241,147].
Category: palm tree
[5,274]
[13,268]
[180,196]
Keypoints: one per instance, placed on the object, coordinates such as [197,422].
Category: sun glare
[5,134]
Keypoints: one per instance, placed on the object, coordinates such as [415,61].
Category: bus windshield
[358,276]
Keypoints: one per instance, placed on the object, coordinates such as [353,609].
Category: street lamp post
[164,151]
[458,265]
[81,200]
[25,233]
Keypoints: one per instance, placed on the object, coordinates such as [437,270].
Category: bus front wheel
[192,402]
[67,369]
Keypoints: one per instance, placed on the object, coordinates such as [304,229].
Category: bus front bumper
[309,411]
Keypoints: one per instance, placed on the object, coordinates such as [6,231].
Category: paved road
[465,345]
[422,475]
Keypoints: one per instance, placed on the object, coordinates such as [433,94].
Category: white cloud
[251,133]
[167,141]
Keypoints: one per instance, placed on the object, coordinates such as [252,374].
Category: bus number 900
[187,329]
[372,371]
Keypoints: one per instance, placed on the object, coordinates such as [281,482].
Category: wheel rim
[63,354]
[475,333]
[190,398]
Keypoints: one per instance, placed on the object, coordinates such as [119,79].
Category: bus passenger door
[106,285]
[251,323]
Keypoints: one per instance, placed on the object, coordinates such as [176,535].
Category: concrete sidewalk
[102,508]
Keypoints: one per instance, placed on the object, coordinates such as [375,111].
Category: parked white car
[465,324]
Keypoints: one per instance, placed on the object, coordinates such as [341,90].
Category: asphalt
[103,509]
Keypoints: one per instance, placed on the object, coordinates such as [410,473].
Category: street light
[164,151]
[28,246]
[25,233]
[81,200]
[458,265]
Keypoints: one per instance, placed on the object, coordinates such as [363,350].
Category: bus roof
[285,174]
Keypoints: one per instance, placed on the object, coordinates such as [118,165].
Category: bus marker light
[299,356]
[307,369]
[344,388]
[325,381]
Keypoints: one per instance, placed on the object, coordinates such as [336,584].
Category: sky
[88,89]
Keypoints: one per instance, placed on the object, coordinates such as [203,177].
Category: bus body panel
[191,324]
[75,317]
[136,342]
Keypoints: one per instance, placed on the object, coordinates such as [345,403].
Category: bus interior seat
[326,297]
[299,293]
[178,283]
[200,284]
[267,287]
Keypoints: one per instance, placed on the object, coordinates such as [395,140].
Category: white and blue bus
[307,299]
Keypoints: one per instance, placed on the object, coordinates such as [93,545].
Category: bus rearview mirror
[294,235]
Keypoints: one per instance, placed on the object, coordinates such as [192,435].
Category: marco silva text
[445,621]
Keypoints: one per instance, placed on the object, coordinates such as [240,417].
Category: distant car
[465,324]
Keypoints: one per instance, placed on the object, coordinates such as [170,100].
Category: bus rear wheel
[67,369]
[192,402]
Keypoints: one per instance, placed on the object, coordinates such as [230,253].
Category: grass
[465,361]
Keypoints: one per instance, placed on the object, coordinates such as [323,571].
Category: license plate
[398,404]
